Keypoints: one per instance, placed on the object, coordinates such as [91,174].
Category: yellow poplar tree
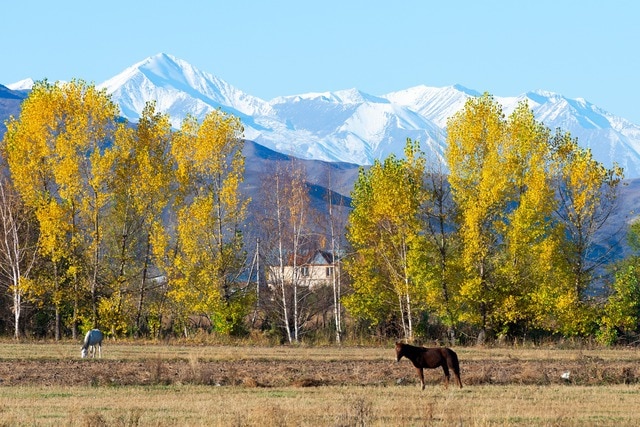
[587,192]
[530,204]
[136,218]
[530,268]
[480,186]
[383,230]
[209,169]
[55,155]
[438,265]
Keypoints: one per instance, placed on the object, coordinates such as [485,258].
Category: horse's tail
[455,362]
[455,365]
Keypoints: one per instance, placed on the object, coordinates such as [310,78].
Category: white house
[317,268]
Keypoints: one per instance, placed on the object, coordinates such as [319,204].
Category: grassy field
[321,406]
[357,398]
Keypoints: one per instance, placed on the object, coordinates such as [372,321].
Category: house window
[304,271]
[329,271]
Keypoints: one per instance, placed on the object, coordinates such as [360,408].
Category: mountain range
[350,125]
[333,133]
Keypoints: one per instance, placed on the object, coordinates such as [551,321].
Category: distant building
[315,269]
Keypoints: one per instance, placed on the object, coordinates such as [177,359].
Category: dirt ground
[306,373]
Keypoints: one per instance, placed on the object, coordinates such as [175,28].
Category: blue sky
[588,49]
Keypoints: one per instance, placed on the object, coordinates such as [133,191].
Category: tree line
[105,214]
[504,244]
[142,231]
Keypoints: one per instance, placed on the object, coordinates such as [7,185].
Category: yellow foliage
[209,170]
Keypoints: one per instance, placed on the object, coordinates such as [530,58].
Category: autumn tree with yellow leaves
[57,154]
[384,230]
[137,231]
[586,193]
[480,187]
[210,257]
[529,204]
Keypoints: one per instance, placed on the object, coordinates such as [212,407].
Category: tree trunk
[142,286]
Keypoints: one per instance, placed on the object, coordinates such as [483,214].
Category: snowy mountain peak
[178,88]
[25,84]
[436,104]
[163,69]
[168,67]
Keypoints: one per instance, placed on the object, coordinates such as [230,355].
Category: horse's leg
[100,350]
[455,374]
[421,376]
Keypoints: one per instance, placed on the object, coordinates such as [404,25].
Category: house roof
[318,257]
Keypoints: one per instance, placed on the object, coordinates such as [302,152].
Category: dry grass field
[153,384]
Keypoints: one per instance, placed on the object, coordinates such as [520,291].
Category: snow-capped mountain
[178,89]
[25,84]
[348,126]
[436,104]
[352,126]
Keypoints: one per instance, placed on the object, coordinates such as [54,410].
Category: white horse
[91,340]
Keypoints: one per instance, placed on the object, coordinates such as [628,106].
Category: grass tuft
[359,414]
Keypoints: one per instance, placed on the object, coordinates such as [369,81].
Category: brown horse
[430,358]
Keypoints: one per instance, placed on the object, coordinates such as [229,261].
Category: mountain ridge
[353,126]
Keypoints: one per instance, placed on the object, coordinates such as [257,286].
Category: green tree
[622,309]
[621,313]
[384,229]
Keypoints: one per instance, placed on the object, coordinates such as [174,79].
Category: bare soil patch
[585,370]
